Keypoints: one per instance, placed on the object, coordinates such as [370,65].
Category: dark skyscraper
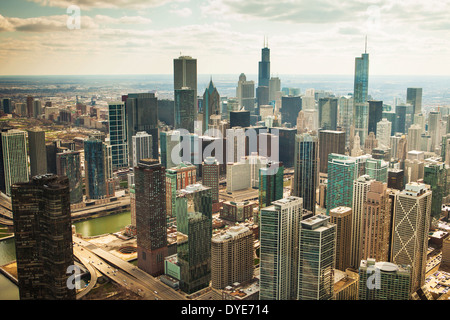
[142,115]
[185,109]
[6,105]
[328,110]
[330,142]
[37,151]
[306,170]
[51,150]
[400,119]
[30,100]
[264,67]
[69,164]
[150,190]
[43,238]
[95,171]
[240,119]
[290,107]
[270,185]
[414,97]
[375,115]
[185,74]
[211,104]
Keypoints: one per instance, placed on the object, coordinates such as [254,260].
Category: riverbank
[10,271]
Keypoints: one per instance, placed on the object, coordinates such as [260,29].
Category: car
[156,292]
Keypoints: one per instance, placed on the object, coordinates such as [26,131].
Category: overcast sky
[225,36]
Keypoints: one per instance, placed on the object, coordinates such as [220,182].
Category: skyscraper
[360,96]
[376,223]
[118,134]
[169,140]
[178,178]
[150,193]
[245,93]
[377,169]
[290,107]
[43,238]
[185,109]
[270,185]
[346,116]
[410,231]
[194,226]
[435,175]
[316,259]
[38,154]
[142,115]
[185,74]
[210,177]
[328,113]
[15,158]
[330,142]
[211,104]
[95,169]
[279,252]
[342,218]
[414,97]
[264,67]
[360,188]
[375,115]
[142,147]
[240,119]
[69,164]
[232,257]
[384,129]
[306,170]
[6,105]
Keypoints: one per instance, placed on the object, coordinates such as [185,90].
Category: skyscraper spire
[365,47]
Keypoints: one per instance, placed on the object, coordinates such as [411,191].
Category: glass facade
[270,186]
[69,164]
[95,172]
[118,134]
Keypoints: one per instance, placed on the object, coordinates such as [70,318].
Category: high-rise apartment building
[342,218]
[15,158]
[210,177]
[237,211]
[345,120]
[38,154]
[232,257]
[316,259]
[118,134]
[279,249]
[410,231]
[306,164]
[150,193]
[43,238]
[194,226]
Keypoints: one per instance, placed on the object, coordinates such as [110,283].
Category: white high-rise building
[142,147]
[414,137]
[384,128]
[279,239]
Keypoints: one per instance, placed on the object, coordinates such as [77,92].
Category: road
[125,274]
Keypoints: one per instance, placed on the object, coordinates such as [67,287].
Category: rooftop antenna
[365,48]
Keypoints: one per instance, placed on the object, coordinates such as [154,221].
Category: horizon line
[209,74]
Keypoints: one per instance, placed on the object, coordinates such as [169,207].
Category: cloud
[118,4]
[101,19]
[184,12]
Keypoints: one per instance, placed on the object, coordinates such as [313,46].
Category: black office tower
[375,115]
[43,238]
[240,119]
[290,107]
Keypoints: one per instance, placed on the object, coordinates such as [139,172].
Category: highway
[125,273]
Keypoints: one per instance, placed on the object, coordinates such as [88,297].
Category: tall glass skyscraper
[264,67]
[306,169]
[95,169]
[15,158]
[360,96]
[270,185]
[185,109]
[194,225]
[118,134]
[69,164]
[185,75]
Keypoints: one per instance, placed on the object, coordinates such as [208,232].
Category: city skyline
[144,37]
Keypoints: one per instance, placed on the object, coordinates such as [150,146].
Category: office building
[414,137]
[346,285]
[43,238]
[170,140]
[274,89]
[384,281]
[279,249]
[370,143]
[245,174]
[375,115]
[270,185]
[360,96]
[376,223]
[210,177]
[286,139]
[6,105]
[240,118]
[330,142]
[434,118]
[396,179]
[232,257]
[185,74]
[383,134]
[118,134]
[414,97]
[194,226]
[342,218]
[150,193]
[377,169]
[290,107]
[97,168]
[142,147]
[345,120]
[185,109]
[15,158]
[306,170]
[245,93]
[142,115]
[30,101]
[435,175]
[411,223]
[211,105]
[69,164]
[264,67]
[178,178]
[237,211]
[328,113]
[38,154]
[316,259]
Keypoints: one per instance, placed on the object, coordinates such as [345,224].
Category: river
[88,228]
